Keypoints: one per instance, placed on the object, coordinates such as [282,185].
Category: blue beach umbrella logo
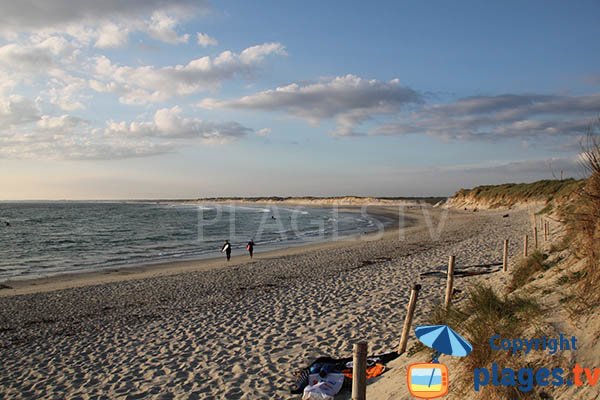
[444,340]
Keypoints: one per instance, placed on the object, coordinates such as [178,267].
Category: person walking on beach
[226,249]
[250,247]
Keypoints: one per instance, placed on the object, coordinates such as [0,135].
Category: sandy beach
[214,331]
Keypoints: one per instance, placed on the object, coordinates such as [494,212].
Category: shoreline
[110,274]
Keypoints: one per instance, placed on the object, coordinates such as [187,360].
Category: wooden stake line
[535,237]
[525,243]
[505,256]
[449,281]
[412,303]
[359,371]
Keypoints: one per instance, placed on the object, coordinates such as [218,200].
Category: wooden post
[545,231]
[505,256]
[525,243]
[535,237]
[359,372]
[412,303]
[449,281]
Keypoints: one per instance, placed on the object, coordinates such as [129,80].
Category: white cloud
[102,87]
[350,100]
[168,123]
[66,91]
[263,132]
[205,40]
[27,133]
[255,54]
[61,123]
[112,35]
[162,27]
[146,84]
[29,146]
[43,62]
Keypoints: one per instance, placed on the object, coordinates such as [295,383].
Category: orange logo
[427,380]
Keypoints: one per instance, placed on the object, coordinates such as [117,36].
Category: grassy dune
[556,289]
[512,194]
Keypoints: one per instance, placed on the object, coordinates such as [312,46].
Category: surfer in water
[250,247]
[227,249]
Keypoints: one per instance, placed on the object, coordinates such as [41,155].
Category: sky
[183,99]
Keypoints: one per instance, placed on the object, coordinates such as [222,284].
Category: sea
[40,239]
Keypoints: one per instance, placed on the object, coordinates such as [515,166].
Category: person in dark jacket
[227,249]
[250,247]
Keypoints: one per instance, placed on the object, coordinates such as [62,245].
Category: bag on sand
[323,388]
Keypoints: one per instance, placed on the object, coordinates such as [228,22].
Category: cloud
[162,27]
[104,24]
[205,41]
[168,123]
[111,35]
[256,54]
[25,133]
[146,84]
[264,132]
[43,64]
[17,110]
[500,117]
[36,57]
[31,15]
[75,148]
[349,100]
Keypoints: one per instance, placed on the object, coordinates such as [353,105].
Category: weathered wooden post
[525,243]
[359,372]
[505,256]
[545,231]
[449,281]
[535,237]
[412,303]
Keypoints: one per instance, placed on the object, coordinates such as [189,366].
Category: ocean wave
[256,209]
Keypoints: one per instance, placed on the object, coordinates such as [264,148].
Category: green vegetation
[585,223]
[509,194]
[482,315]
[527,268]
[582,220]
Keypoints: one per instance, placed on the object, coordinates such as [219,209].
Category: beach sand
[233,331]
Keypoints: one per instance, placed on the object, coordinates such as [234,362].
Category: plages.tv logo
[429,380]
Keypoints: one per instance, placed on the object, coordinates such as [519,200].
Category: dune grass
[583,224]
[482,315]
[509,194]
[526,269]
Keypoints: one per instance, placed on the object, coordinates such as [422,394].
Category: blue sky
[140,99]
